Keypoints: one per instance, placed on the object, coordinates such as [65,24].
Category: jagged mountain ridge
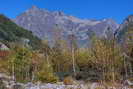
[44,23]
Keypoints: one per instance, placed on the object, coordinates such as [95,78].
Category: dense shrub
[46,74]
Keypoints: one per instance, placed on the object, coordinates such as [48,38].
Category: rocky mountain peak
[123,28]
[33,8]
[126,22]
[42,23]
[130,18]
[58,13]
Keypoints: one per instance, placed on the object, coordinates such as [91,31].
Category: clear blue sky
[90,9]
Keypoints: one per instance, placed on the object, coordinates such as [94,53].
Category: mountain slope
[125,27]
[44,23]
[10,32]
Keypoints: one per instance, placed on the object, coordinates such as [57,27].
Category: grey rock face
[44,24]
[126,22]
[123,28]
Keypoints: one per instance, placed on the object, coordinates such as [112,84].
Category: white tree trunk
[73,59]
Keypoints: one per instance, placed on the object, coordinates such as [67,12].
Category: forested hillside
[10,32]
